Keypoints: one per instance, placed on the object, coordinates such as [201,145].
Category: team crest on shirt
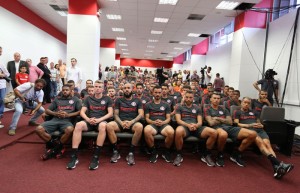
[71,102]
[102,102]
[194,111]
[133,104]
[143,101]
[221,112]
[175,97]
[250,113]
[162,108]
[168,101]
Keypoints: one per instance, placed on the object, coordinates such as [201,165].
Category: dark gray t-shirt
[128,109]
[245,117]
[220,112]
[170,101]
[97,107]
[269,86]
[189,114]
[157,111]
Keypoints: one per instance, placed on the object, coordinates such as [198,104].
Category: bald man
[14,66]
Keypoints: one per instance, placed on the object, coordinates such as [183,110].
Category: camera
[202,69]
[270,73]
[30,102]
[7,79]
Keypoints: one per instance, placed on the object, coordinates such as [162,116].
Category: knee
[109,127]
[179,132]
[252,135]
[78,126]
[69,130]
[39,130]
[170,131]
[222,135]
[138,127]
[147,130]
[102,127]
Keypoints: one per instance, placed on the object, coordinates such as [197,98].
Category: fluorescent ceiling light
[167,2]
[186,43]
[229,5]
[153,40]
[176,48]
[118,29]
[169,56]
[114,17]
[62,13]
[156,32]
[124,49]
[149,50]
[193,35]
[121,38]
[123,45]
[111,0]
[147,54]
[126,53]
[149,46]
[161,20]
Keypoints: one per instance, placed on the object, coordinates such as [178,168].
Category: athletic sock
[274,161]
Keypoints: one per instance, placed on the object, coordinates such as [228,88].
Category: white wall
[18,35]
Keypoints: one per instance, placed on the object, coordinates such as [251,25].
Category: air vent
[204,35]
[244,6]
[58,8]
[195,17]
[174,42]
[164,53]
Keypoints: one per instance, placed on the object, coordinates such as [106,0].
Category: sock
[274,161]
[207,152]
[74,152]
[114,147]
[131,149]
[152,149]
[178,151]
[97,150]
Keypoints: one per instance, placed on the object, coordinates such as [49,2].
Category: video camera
[269,74]
[202,69]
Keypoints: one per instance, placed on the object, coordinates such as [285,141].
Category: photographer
[269,84]
[30,96]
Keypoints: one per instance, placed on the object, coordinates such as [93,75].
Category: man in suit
[47,75]
[14,66]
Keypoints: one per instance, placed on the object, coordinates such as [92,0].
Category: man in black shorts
[157,115]
[189,119]
[219,118]
[99,109]
[248,119]
[128,111]
[63,109]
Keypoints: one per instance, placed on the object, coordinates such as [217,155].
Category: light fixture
[161,20]
[156,32]
[176,48]
[185,43]
[121,38]
[169,56]
[124,49]
[229,5]
[62,13]
[167,2]
[193,35]
[149,46]
[149,50]
[126,53]
[153,41]
[114,17]
[123,45]
[118,29]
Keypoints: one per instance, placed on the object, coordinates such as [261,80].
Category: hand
[32,112]
[191,128]
[124,125]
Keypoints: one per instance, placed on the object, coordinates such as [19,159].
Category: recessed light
[156,32]
[123,45]
[124,49]
[126,53]
[193,35]
[161,20]
[62,13]
[149,50]
[114,17]
[121,38]
[149,46]
[167,2]
[169,56]
[147,54]
[186,43]
[229,5]
[153,40]
[176,48]
[118,29]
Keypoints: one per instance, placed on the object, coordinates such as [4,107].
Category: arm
[211,121]
[227,120]
[107,116]
[149,121]
[17,77]
[168,119]
[36,108]
[181,122]
[83,115]
[256,86]
[39,72]
[140,115]
[19,95]
[116,116]
[199,121]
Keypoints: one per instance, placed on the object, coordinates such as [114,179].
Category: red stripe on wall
[107,43]
[145,63]
[201,48]
[179,59]
[23,12]
[118,56]
[86,7]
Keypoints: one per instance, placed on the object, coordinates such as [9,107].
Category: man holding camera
[28,95]
[269,84]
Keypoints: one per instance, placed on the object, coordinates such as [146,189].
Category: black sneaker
[60,154]
[207,159]
[72,164]
[167,156]
[130,159]
[278,171]
[94,163]
[178,160]
[220,160]
[115,157]
[153,158]
[50,153]
[287,167]
[237,158]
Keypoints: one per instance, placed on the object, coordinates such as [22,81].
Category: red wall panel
[107,43]
[201,48]
[179,59]
[145,63]
[86,7]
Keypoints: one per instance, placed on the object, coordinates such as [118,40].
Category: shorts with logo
[159,128]
[195,133]
[126,130]
[232,132]
[56,125]
[92,127]
[260,132]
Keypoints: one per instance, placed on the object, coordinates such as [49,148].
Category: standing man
[35,72]
[128,112]
[158,117]
[54,80]
[100,110]
[218,84]
[3,74]
[47,77]
[62,71]
[14,66]
[63,109]
[208,75]
[30,96]
[74,73]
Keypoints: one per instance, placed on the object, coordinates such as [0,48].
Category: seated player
[99,109]
[63,109]
[219,118]
[189,119]
[157,115]
[248,119]
[258,104]
[128,111]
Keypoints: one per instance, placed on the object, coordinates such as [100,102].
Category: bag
[9,100]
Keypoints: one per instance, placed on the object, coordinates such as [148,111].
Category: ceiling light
[229,5]
[111,0]
[62,13]
[126,53]
[156,32]
[186,43]
[169,56]
[123,45]
[161,20]
[193,35]
[118,29]
[149,50]
[167,2]
[147,54]
[149,46]
[153,40]
[121,38]
[124,49]
[114,17]
[176,48]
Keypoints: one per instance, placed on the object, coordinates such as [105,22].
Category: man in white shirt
[208,75]
[30,96]
[74,73]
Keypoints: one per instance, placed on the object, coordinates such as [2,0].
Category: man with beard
[258,104]
[84,92]
[63,109]
[140,94]
[248,119]
[100,110]
[157,115]
[234,100]
[189,119]
[128,111]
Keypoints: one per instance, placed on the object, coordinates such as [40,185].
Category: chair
[234,108]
